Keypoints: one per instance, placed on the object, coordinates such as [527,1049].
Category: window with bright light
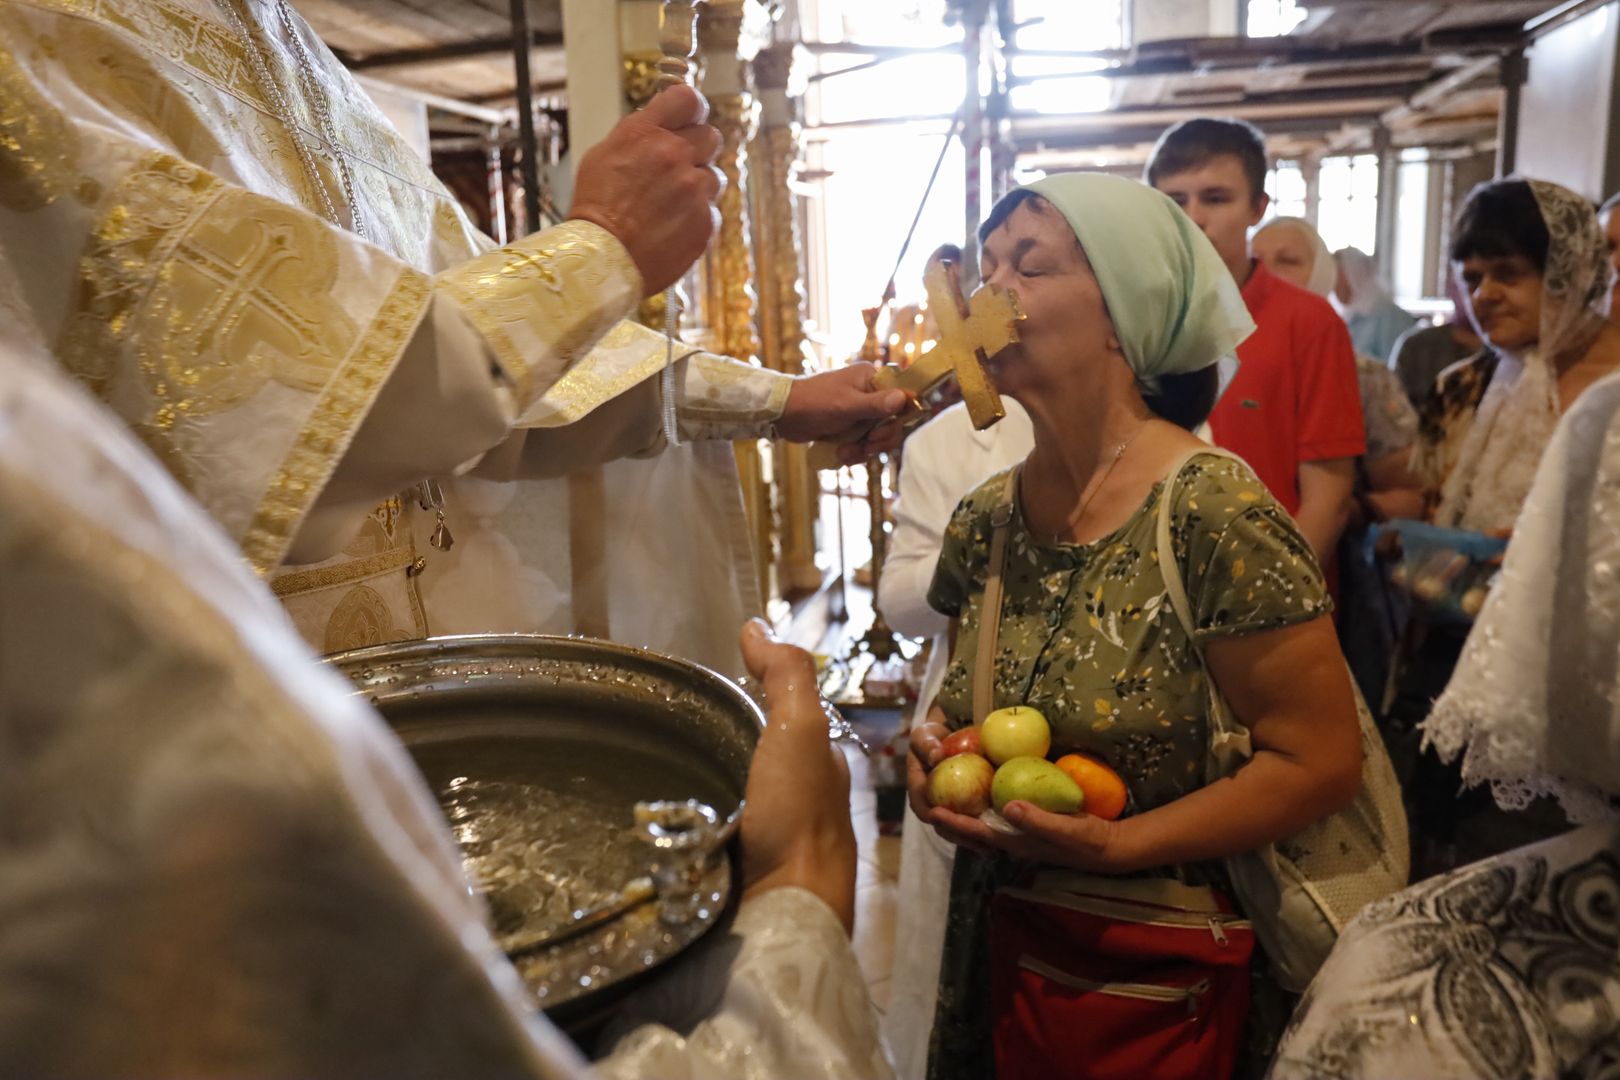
[874,180]
[1412,237]
[1045,80]
[1286,186]
[927,84]
[911,23]
[1347,206]
[1272,18]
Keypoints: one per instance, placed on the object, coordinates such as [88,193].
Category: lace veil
[1497,460]
[1534,704]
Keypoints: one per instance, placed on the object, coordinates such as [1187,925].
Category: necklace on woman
[289,119]
[1079,515]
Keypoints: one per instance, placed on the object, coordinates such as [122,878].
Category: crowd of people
[1364,476]
[231,341]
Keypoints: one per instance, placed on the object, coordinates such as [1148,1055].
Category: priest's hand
[795,828]
[842,404]
[651,184]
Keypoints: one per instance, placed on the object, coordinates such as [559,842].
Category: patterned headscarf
[1515,419]
[1173,302]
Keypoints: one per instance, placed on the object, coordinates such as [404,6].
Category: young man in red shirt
[1293,411]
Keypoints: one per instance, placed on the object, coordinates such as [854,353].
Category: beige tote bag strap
[984,673]
[1229,741]
[1175,586]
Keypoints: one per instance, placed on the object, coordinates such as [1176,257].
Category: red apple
[961,784]
[965,741]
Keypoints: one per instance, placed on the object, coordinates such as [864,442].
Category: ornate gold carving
[640,77]
[781,315]
[732,297]
[781,298]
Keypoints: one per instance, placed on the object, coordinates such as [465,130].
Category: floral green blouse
[1089,637]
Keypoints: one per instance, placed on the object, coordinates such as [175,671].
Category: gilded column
[781,305]
[640,81]
[728,300]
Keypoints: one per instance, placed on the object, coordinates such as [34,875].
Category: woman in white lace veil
[1531,384]
[1534,705]
[1508,967]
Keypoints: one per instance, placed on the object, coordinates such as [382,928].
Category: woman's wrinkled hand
[796,829]
[1079,841]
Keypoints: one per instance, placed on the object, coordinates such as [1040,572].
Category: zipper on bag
[1140,991]
[1216,923]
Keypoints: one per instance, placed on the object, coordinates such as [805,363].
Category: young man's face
[1217,197]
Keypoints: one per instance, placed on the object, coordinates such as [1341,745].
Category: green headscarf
[1174,304]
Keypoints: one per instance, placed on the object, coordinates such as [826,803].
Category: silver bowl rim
[567,646]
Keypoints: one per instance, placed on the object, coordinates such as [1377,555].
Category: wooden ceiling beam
[541,89]
[473,49]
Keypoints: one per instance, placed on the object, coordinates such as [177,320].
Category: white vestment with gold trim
[216,861]
[162,234]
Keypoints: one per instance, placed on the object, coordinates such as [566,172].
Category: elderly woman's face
[1286,253]
[1505,293]
[1034,254]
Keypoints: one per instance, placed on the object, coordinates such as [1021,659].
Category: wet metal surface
[539,749]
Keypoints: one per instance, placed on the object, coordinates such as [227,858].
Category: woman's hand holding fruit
[955,777]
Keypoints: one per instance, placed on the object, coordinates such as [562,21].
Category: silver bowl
[539,749]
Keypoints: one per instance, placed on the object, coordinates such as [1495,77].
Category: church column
[781,305]
[728,296]
[639,71]
[605,44]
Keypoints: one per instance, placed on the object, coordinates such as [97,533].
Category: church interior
[857,141]
[852,128]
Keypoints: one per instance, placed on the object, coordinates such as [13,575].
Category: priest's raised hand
[652,185]
[303,324]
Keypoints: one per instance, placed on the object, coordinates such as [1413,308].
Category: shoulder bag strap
[1229,741]
[984,674]
[1175,585]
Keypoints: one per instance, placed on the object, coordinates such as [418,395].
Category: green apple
[961,784]
[1016,731]
[1036,780]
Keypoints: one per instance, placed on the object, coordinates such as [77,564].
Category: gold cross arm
[965,342]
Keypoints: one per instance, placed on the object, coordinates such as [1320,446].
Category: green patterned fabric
[1088,638]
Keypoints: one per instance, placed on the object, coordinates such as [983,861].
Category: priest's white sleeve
[779,995]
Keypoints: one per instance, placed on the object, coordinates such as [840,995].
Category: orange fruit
[1105,790]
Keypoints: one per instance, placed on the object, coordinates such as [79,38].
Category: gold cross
[965,342]
[969,333]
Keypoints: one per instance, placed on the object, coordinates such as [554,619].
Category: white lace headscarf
[1498,456]
[1534,704]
